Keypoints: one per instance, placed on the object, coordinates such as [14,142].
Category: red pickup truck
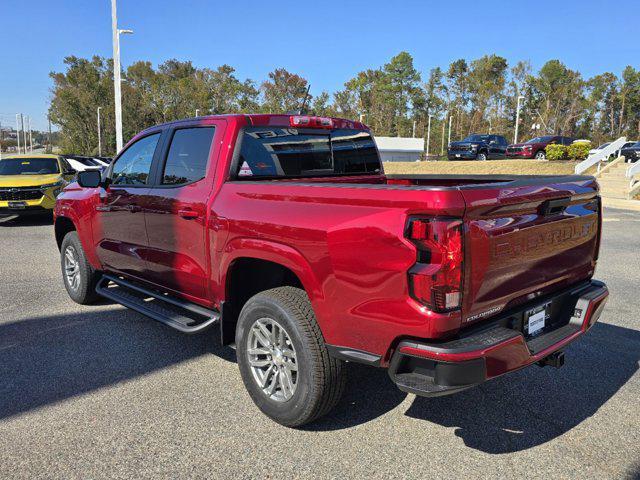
[285,232]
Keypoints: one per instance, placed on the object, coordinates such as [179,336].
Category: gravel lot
[97,392]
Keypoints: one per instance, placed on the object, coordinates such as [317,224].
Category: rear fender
[273,252]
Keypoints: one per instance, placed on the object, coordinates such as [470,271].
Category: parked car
[478,147]
[30,183]
[615,155]
[285,232]
[536,147]
[82,163]
[631,153]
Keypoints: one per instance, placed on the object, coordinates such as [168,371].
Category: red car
[535,148]
[285,231]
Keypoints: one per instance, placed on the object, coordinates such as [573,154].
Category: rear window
[188,156]
[290,152]
[29,166]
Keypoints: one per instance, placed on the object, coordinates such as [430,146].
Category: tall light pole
[99,135]
[116,72]
[18,131]
[428,135]
[449,139]
[30,136]
[24,133]
[197,112]
[444,127]
[515,135]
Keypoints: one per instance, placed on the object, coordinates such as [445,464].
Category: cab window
[188,155]
[134,165]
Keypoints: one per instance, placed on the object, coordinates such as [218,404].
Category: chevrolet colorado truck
[284,231]
[478,147]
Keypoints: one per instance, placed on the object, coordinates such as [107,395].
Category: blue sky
[325,41]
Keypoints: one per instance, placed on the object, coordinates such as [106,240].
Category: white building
[400,149]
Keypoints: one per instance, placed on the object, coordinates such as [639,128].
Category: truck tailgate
[527,238]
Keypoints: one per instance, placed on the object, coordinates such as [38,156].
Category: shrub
[556,152]
[578,151]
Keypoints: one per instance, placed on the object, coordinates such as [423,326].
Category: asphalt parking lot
[100,391]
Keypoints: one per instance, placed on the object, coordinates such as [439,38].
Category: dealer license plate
[457,155]
[18,205]
[535,319]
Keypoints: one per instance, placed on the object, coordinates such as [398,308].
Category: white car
[615,155]
[80,165]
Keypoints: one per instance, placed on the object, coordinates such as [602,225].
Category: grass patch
[491,167]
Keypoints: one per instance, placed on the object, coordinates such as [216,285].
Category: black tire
[84,292]
[540,155]
[321,379]
[482,156]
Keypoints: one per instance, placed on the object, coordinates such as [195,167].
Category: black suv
[478,147]
[631,153]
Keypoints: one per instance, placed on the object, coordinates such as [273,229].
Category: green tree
[283,91]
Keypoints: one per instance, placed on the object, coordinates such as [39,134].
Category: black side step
[179,314]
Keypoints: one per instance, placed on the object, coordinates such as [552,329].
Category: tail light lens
[436,278]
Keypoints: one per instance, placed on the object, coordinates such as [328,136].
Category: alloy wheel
[272,359]
[72,268]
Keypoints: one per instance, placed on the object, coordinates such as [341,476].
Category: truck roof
[274,119]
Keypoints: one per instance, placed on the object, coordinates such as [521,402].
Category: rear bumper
[434,369]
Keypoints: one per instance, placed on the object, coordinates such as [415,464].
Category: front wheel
[80,279]
[283,360]
[481,156]
[541,155]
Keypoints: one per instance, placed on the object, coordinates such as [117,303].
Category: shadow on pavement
[533,406]
[31,220]
[50,359]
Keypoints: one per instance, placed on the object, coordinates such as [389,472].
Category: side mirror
[89,179]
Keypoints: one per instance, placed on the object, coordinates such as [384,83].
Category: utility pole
[515,135]
[444,126]
[30,136]
[449,140]
[50,147]
[116,73]
[414,129]
[18,130]
[99,135]
[197,112]
[428,136]
[24,133]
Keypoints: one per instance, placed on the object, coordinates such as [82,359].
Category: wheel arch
[253,266]
[62,226]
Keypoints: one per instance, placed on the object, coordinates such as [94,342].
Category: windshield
[29,166]
[540,140]
[604,145]
[290,152]
[477,138]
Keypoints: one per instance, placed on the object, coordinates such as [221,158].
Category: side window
[503,141]
[133,166]
[188,155]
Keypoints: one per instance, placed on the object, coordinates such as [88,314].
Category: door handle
[188,214]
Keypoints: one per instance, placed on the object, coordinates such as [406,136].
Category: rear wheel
[80,279]
[283,360]
[482,156]
[541,155]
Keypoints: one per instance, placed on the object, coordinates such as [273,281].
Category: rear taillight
[305,121]
[436,278]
